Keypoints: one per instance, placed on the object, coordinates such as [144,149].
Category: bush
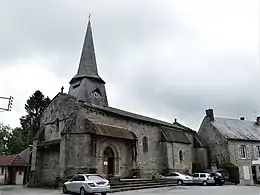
[196,167]
[232,170]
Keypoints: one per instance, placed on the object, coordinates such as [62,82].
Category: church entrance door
[108,161]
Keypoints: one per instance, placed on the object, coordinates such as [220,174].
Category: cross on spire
[89,16]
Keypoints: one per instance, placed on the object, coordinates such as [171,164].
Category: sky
[164,59]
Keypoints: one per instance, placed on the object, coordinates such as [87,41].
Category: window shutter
[255,152]
[238,151]
[248,152]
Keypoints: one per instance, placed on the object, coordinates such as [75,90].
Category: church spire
[87,85]
[87,64]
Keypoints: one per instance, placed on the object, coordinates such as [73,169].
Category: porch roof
[13,161]
[112,131]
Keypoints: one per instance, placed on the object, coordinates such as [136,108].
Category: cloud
[165,59]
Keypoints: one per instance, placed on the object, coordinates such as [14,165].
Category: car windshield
[94,177]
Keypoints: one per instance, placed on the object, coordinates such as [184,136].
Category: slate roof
[138,117]
[112,131]
[172,135]
[13,160]
[237,129]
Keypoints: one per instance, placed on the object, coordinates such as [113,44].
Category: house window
[145,144]
[181,155]
[2,170]
[257,151]
[242,151]
[20,172]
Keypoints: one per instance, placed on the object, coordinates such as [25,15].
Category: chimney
[242,118]
[210,114]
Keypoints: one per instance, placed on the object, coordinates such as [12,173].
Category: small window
[20,172]
[57,124]
[242,151]
[202,175]
[2,170]
[145,144]
[181,155]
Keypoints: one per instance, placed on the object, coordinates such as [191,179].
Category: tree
[5,132]
[17,141]
[34,107]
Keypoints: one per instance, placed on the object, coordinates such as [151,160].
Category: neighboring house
[233,140]
[80,132]
[12,169]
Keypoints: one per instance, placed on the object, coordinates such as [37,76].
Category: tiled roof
[237,129]
[13,160]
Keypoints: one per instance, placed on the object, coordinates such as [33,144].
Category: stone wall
[55,116]
[48,166]
[185,163]
[215,141]
[77,153]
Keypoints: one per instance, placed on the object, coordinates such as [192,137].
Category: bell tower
[87,85]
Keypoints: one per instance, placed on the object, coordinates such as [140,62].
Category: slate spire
[87,64]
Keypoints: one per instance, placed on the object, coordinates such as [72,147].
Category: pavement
[178,190]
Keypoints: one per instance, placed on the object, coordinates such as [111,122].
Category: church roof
[138,117]
[88,64]
[171,135]
[237,129]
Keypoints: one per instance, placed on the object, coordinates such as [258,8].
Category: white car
[86,184]
[179,178]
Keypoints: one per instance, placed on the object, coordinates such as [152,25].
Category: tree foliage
[5,132]
[31,121]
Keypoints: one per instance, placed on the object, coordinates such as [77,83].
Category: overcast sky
[164,59]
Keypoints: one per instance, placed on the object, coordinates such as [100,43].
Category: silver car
[87,184]
[179,178]
[203,178]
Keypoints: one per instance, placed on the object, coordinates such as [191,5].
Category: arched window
[181,155]
[145,144]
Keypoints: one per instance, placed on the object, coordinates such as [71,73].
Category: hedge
[232,170]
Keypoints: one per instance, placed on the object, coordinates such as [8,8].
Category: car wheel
[82,191]
[64,189]
[205,183]
[180,182]
[104,193]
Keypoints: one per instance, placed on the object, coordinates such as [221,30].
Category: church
[80,132]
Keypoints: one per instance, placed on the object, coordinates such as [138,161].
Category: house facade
[80,132]
[233,140]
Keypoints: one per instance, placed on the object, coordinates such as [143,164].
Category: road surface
[185,190]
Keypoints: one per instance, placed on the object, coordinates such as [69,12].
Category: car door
[79,183]
[202,177]
[196,178]
[172,176]
[71,185]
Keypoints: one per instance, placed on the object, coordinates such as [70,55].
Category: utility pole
[10,103]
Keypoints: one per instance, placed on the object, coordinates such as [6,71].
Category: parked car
[203,178]
[87,184]
[218,178]
[179,178]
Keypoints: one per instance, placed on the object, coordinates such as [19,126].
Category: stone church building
[80,132]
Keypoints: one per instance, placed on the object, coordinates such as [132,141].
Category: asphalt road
[189,190]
